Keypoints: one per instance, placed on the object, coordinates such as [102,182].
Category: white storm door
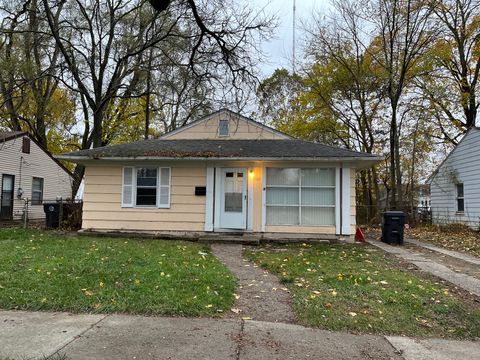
[233,199]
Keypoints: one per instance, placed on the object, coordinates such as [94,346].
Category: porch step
[230,239]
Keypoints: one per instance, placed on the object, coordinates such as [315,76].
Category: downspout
[341,200]
[214,192]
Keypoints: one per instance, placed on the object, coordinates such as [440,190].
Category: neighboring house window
[460,198]
[37,191]
[146,187]
[300,197]
[223,128]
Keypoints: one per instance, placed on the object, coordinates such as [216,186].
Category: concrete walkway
[260,296]
[461,280]
[31,335]
[454,254]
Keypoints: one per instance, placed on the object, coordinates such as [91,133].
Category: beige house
[28,172]
[221,173]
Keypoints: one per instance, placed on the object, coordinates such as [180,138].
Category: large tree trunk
[393,162]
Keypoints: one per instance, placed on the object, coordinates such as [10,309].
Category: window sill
[460,213]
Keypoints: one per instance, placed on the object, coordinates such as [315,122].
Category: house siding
[102,208]
[461,166]
[56,181]
[238,129]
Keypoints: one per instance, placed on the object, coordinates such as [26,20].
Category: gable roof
[230,113]
[12,135]
[260,149]
[435,172]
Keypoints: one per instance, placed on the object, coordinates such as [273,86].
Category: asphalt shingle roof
[245,149]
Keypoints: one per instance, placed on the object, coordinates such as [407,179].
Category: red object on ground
[359,236]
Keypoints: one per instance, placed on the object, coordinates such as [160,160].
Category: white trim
[264,198]
[123,204]
[217,202]
[366,159]
[346,221]
[221,198]
[337,201]
[250,190]
[158,187]
[209,205]
[231,114]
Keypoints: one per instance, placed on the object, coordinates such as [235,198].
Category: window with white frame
[223,128]
[146,187]
[300,196]
[460,198]
[37,191]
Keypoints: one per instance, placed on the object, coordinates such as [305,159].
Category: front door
[233,199]
[6,199]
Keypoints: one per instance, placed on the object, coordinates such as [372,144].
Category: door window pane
[233,192]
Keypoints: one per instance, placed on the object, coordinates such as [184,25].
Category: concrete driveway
[31,335]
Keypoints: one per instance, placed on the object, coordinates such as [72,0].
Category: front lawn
[356,288]
[48,271]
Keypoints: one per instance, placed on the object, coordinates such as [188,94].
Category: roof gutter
[75,159]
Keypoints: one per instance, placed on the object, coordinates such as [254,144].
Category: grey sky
[279,50]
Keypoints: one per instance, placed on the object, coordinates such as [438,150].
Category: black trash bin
[392,227]
[52,214]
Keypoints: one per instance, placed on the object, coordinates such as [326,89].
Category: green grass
[48,271]
[358,289]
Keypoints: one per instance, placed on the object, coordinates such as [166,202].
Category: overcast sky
[279,50]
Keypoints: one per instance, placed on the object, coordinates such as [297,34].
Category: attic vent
[223,128]
[26,145]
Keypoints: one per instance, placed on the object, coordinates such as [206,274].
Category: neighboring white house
[27,171]
[455,185]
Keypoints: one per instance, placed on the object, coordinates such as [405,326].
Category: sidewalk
[466,282]
[26,335]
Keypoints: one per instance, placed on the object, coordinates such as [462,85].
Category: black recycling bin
[52,214]
[392,227]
